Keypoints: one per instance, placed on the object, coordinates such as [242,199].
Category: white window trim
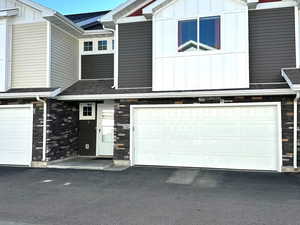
[96,50]
[83,47]
[106,45]
[81,116]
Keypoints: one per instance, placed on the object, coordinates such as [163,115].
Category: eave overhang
[29,95]
[187,94]
[292,77]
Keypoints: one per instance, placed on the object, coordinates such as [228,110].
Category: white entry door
[105,129]
[16,135]
[233,136]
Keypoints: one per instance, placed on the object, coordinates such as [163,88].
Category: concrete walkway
[85,163]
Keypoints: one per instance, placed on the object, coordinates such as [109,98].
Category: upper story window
[102,45]
[96,45]
[199,34]
[88,46]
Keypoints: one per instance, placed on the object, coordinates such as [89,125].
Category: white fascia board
[277,4]
[9,12]
[88,21]
[97,32]
[49,94]
[196,94]
[132,19]
[69,22]
[295,87]
[109,16]
[45,10]
[150,9]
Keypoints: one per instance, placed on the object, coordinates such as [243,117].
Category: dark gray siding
[272,43]
[135,55]
[97,66]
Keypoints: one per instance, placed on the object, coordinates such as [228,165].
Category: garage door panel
[15,135]
[238,137]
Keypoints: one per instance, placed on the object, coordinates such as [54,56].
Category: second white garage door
[244,136]
[16,135]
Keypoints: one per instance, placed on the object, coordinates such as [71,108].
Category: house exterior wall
[122,120]
[26,14]
[62,130]
[29,55]
[64,59]
[272,44]
[225,68]
[135,55]
[97,66]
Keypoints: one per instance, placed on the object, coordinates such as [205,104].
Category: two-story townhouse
[195,84]
[166,83]
[39,58]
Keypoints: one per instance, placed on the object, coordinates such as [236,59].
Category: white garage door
[243,136]
[15,135]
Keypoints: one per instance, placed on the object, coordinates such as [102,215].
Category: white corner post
[5,55]
[44,127]
[295,153]
[48,54]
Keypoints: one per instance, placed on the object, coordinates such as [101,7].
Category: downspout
[44,127]
[296,129]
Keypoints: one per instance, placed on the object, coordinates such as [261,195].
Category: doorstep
[87,163]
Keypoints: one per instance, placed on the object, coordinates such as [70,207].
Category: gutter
[47,94]
[44,127]
[187,94]
[296,129]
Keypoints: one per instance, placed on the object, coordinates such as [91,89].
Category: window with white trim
[88,46]
[202,34]
[87,111]
[102,45]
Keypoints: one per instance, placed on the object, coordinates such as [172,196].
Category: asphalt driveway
[147,196]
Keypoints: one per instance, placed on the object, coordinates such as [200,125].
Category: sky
[79,6]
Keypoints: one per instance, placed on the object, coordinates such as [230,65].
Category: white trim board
[295,87]
[49,94]
[188,94]
[279,126]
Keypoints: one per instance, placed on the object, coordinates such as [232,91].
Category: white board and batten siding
[64,59]
[220,69]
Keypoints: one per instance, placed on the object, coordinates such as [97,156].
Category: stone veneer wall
[122,120]
[62,130]
[38,109]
